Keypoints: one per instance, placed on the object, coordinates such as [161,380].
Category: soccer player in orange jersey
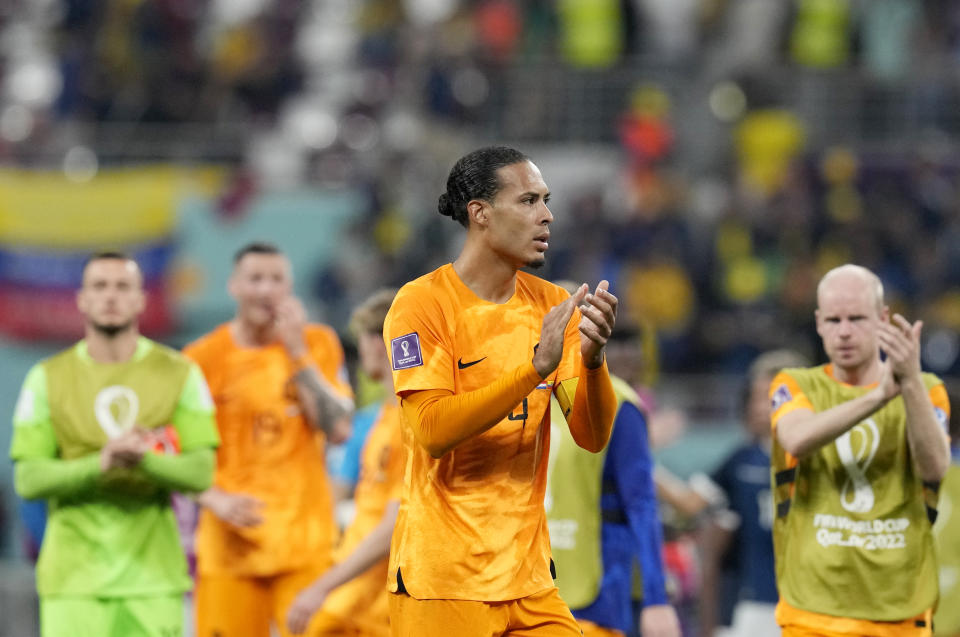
[477,347]
[267,529]
[353,594]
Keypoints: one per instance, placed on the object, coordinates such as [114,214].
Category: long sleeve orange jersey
[471,524]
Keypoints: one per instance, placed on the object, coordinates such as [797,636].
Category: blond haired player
[860,447]
[267,529]
[352,595]
[477,348]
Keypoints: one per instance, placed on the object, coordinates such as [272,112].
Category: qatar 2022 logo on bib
[856,448]
[116,408]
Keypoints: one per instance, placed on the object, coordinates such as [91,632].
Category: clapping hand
[598,315]
[901,342]
[550,349]
[126,450]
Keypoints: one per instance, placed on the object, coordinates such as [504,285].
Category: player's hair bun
[445,206]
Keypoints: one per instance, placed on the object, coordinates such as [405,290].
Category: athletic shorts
[328,625]
[153,616]
[542,614]
[919,626]
[233,606]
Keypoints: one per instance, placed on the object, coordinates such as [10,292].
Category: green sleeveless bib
[93,402]
[572,504]
[852,534]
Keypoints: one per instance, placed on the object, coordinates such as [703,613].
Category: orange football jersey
[471,524]
[363,600]
[268,451]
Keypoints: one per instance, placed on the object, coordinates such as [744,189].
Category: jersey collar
[828,370]
[143,346]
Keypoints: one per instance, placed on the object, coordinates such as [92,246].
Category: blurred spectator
[767,141]
[821,33]
[670,28]
[889,28]
[591,34]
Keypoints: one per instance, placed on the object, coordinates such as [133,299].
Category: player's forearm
[678,493]
[594,408]
[371,549]
[56,478]
[322,407]
[191,471]
[713,544]
[440,420]
[803,431]
[928,442]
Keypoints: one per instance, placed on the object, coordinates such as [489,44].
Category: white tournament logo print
[405,346]
[116,408]
[857,494]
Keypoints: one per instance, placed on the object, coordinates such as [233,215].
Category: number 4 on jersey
[521,416]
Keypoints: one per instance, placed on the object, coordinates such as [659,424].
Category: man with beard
[266,528]
[477,347]
[104,431]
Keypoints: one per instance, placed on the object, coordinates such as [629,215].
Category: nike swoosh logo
[463,365]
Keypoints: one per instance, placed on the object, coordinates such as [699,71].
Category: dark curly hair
[474,176]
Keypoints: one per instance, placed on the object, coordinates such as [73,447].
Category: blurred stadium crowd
[711,158]
[753,144]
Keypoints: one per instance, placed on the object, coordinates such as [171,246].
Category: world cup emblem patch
[405,351]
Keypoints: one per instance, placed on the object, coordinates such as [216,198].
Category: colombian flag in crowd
[49,226]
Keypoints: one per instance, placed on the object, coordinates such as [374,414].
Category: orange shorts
[328,625]
[919,626]
[593,630]
[233,606]
[542,614]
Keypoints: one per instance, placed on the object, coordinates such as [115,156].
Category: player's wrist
[207,498]
[300,358]
[911,382]
[543,367]
[880,396]
[594,362]
[294,343]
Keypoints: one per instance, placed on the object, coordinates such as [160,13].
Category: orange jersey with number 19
[269,451]
[471,524]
